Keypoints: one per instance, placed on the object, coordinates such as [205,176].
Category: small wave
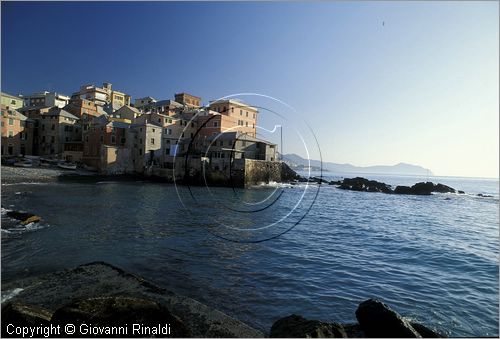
[106,182]
[9,294]
[26,183]
[5,210]
[20,228]
[273,184]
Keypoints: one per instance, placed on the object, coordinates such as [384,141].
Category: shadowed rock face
[296,326]
[23,315]
[376,320]
[24,218]
[379,321]
[365,185]
[120,312]
[98,286]
[424,188]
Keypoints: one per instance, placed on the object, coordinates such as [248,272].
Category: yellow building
[11,101]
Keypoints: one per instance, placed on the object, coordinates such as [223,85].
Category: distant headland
[297,162]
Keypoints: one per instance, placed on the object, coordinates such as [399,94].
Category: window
[232,109]
[182,135]
[67,139]
[246,113]
[86,138]
[241,112]
[153,130]
[221,143]
[11,134]
[254,115]
[122,140]
[43,138]
[192,124]
[101,138]
[113,139]
[246,123]
[140,141]
[140,152]
[11,121]
[152,141]
[52,139]
[43,127]
[215,124]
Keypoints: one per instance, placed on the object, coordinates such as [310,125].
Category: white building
[47,99]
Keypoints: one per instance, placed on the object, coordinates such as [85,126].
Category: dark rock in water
[484,195]
[426,332]
[460,192]
[424,188]
[379,321]
[364,185]
[23,315]
[121,312]
[296,326]
[335,182]
[403,190]
[440,188]
[24,217]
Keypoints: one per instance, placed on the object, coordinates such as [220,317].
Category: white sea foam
[9,294]
[272,184]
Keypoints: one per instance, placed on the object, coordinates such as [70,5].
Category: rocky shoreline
[361,184]
[106,296]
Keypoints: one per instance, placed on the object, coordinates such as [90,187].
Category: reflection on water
[433,258]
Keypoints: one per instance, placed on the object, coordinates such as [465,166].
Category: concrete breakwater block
[106,294]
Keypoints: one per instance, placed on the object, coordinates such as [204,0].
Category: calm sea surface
[432,258]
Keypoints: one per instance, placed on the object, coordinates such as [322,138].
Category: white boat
[67,165]
[24,163]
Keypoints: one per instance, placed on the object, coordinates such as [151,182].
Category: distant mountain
[297,162]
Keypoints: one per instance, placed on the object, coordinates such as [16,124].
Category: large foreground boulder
[296,326]
[23,315]
[72,293]
[155,320]
[379,321]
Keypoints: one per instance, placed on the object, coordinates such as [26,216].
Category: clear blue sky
[421,88]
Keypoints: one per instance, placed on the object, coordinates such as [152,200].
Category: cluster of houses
[100,128]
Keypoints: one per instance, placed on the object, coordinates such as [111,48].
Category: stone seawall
[242,173]
[260,171]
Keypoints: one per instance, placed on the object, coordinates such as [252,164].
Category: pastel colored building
[53,129]
[188,99]
[11,101]
[17,132]
[236,116]
[102,96]
[143,102]
[43,99]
